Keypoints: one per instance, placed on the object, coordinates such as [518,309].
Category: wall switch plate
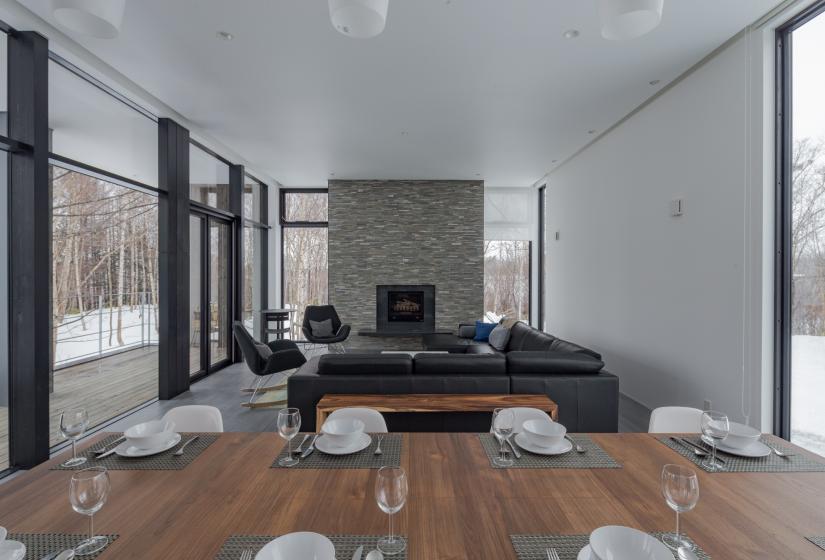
[558,235]
[677,207]
[708,405]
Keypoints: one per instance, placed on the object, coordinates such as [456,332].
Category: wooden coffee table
[433,403]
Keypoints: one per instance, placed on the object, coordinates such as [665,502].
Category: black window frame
[285,224]
[263,227]
[540,295]
[783,270]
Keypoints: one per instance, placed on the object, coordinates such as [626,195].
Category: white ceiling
[453,89]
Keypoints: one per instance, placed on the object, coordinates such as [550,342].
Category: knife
[110,446]
[513,447]
[703,445]
[358,552]
[308,451]
[106,453]
[301,447]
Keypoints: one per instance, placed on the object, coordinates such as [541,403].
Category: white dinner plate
[298,546]
[755,449]
[322,444]
[586,554]
[126,449]
[522,441]
[615,542]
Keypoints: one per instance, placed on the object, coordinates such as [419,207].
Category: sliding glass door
[210,279]
[801,278]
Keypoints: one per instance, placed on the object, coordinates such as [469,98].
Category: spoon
[686,554]
[374,555]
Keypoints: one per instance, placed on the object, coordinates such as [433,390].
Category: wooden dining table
[458,507]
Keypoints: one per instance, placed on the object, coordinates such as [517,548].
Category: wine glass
[88,491]
[680,487]
[503,419]
[73,424]
[289,423]
[391,494]
[715,426]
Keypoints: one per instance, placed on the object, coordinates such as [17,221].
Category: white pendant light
[95,18]
[362,19]
[629,19]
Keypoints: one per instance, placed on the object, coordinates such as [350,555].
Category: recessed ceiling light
[224,35]
[478,174]
[654,82]
[403,133]
[571,34]
[331,174]
[554,161]
[591,132]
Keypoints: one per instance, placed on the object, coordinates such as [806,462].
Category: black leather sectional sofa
[533,362]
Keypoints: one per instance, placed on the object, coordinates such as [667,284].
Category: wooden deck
[105,388]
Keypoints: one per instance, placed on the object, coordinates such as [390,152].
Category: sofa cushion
[525,337]
[447,342]
[499,337]
[460,364]
[550,362]
[365,364]
[559,345]
[483,330]
[482,348]
[466,331]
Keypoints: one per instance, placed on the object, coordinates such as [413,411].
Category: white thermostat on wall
[677,207]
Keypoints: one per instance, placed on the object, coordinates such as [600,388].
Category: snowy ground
[76,342]
[808,392]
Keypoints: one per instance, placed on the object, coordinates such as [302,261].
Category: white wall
[675,304]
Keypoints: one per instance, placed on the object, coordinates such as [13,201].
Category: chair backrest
[320,313]
[251,355]
[522,414]
[195,418]
[675,420]
[372,419]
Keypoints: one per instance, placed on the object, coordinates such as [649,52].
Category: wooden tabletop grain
[459,507]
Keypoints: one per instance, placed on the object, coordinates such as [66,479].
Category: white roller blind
[510,213]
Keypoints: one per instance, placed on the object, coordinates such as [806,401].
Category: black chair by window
[327,330]
[265,360]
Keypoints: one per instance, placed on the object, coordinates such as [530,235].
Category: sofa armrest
[549,362]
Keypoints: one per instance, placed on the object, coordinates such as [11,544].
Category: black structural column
[30,249]
[173,231]
[236,187]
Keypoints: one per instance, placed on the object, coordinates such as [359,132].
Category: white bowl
[623,543]
[148,435]
[342,432]
[741,436]
[12,550]
[544,433]
[298,546]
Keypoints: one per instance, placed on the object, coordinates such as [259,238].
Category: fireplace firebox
[405,308]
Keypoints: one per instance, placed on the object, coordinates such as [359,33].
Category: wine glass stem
[74,448]
[289,448]
[392,538]
[713,462]
[91,526]
[678,530]
[502,452]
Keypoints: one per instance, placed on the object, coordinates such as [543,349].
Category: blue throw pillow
[483,330]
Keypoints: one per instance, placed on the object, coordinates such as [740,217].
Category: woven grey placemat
[534,547]
[734,463]
[594,456]
[818,541]
[165,461]
[39,545]
[345,546]
[366,459]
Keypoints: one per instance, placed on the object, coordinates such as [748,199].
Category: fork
[552,554]
[378,446]
[246,554]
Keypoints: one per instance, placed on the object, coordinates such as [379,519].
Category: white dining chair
[675,420]
[373,420]
[195,418]
[522,414]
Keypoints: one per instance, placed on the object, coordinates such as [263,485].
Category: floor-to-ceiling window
[304,226]
[211,284]
[506,280]
[801,347]
[104,345]
[254,250]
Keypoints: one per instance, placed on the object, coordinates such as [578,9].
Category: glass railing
[103,325]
